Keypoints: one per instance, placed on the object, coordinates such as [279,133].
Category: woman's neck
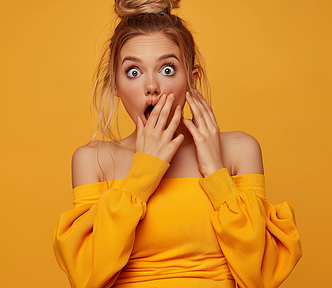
[182,129]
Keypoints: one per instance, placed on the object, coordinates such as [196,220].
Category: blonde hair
[142,17]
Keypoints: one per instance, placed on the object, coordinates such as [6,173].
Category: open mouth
[148,111]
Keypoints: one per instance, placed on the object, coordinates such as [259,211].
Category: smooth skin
[150,71]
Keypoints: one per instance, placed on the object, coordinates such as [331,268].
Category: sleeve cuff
[219,186]
[144,176]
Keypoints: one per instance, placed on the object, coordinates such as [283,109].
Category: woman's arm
[85,168]
[260,241]
[93,241]
[239,152]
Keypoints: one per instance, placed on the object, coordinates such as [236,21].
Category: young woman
[176,203]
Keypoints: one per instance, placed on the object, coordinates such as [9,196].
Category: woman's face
[148,67]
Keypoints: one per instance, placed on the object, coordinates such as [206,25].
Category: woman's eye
[168,70]
[133,72]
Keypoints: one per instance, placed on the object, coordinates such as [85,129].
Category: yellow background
[269,65]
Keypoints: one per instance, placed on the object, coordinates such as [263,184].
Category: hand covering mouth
[148,111]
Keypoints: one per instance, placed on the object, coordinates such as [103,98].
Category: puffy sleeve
[260,241]
[93,241]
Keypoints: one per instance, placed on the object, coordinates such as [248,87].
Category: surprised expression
[148,67]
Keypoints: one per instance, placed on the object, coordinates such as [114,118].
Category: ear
[116,92]
[195,74]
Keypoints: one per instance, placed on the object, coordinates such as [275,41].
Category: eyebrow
[135,59]
[166,56]
[131,58]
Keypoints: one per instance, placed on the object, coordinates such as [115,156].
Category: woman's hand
[155,139]
[206,134]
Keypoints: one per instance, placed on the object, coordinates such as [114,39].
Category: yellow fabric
[193,232]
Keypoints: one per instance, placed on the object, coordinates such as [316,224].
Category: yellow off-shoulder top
[146,231]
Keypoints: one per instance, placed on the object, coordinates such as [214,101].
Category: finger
[165,112]
[204,111]
[207,106]
[152,121]
[196,111]
[175,121]
[139,127]
[197,136]
[178,141]
[212,127]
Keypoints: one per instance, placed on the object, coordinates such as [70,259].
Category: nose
[152,86]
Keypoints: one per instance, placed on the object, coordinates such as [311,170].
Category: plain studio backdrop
[269,66]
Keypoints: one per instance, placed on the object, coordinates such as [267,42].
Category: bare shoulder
[241,153]
[87,162]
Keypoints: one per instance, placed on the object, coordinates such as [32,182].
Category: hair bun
[129,7]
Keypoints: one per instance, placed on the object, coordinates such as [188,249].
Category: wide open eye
[133,73]
[168,70]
